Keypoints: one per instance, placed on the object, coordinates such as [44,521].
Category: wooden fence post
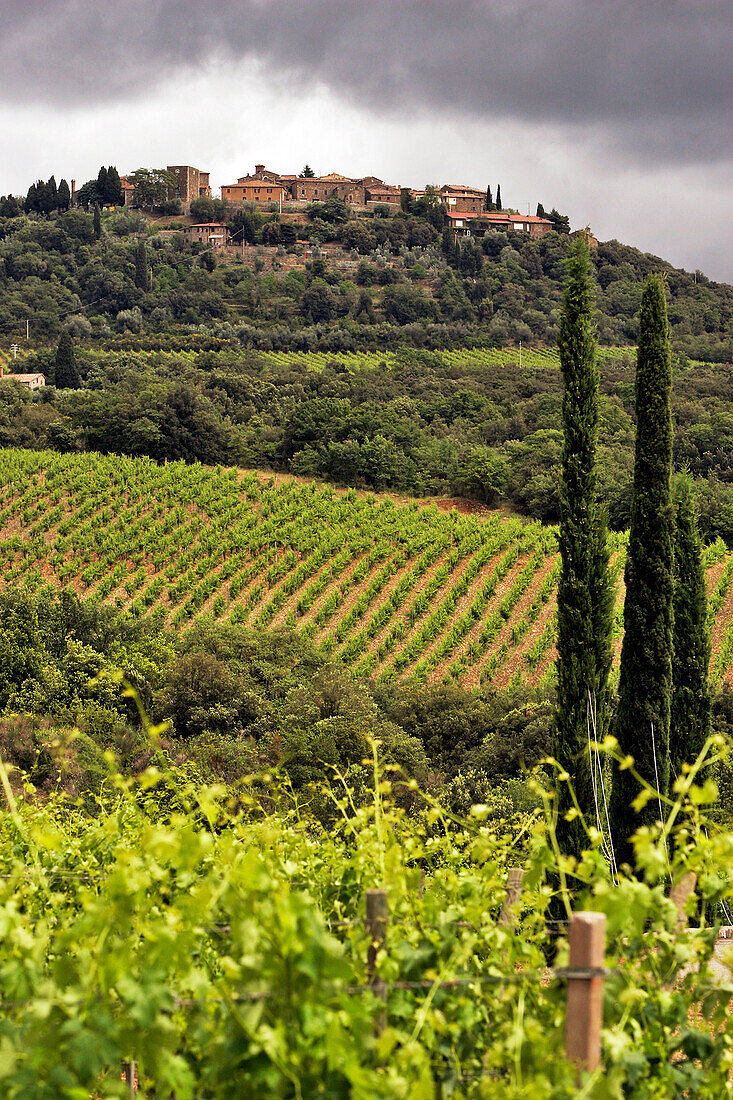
[513,895]
[679,894]
[584,1014]
[129,1076]
[377,915]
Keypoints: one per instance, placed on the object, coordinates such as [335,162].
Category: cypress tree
[102,185]
[645,678]
[142,277]
[97,221]
[690,708]
[585,594]
[489,199]
[67,376]
[113,192]
[498,196]
[64,196]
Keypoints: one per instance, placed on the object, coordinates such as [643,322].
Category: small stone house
[30,381]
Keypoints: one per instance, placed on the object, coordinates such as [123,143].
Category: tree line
[662,719]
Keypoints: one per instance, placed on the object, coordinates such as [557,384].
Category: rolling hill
[393,590]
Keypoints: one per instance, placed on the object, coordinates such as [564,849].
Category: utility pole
[520,354]
[27,329]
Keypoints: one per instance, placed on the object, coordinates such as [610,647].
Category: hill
[480,423]
[405,283]
[391,590]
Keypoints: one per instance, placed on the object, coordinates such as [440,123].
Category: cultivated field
[392,590]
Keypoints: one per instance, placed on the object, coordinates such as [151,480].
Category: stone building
[30,381]
[472,224]
[334,185]
[468,199]
[255,189]
[192,183]
[375,191]
[214,235]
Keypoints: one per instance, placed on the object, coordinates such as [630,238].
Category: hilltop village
[468,211]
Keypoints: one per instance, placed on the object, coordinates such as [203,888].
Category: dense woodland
[405,284]
[236,701]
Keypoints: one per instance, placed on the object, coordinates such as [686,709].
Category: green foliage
[690,707]
[585,594]
[142,274]
[64,196]
[645,678]
[152,186]
[66,375]
[234,947]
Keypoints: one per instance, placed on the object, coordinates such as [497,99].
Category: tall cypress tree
[67,376]
[690,709]
[64,196]
[498,196]
[113,191]
[645,678]
[142,276]
[102,185]
[585,594]
[489,199]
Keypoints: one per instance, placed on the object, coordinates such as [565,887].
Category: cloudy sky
[617,112]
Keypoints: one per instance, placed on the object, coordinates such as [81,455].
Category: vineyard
[391,590]
[469,359]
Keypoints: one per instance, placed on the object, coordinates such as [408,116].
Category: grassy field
[391,589]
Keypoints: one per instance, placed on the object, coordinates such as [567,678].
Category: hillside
[383,282]
[391,590]
[484,424]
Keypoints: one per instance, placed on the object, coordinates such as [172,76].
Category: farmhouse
[212,234]
[30,381]
[470,224]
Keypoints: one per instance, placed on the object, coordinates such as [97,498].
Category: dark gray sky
[618,112]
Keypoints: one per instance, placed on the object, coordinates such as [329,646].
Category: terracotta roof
[496,216]
[259,180]
[463,189]
[529,218]
[23,377]
[476,214]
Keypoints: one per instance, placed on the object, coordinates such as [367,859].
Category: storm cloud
[652,78]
